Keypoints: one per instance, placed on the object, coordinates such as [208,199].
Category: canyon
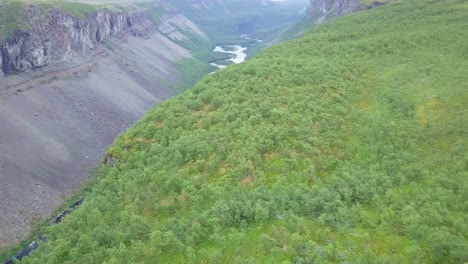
[69,85]
[320,149]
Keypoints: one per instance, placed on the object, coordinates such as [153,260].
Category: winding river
[237,50]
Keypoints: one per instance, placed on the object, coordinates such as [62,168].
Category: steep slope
[330,8]
[74,74]
[345,145]
[320,11]
[69,85]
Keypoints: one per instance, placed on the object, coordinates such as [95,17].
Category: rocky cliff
[56,36]
[340,7]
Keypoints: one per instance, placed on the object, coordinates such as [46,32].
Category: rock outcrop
[57,36]
[340,7]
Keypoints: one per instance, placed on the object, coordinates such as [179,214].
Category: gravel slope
[57,122]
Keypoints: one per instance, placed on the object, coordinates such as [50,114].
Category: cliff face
[57,36]
[340,7]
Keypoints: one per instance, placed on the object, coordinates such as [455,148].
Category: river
[237,50]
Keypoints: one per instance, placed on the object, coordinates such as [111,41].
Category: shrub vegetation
[345,145]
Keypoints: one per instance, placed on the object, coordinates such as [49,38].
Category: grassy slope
[345,144]
[11,17]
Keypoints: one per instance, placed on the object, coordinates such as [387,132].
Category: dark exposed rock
[110,161]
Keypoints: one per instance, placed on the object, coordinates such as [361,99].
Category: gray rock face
[340,7]
[57,36]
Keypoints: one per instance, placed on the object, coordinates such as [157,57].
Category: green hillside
[11,17]
[345,145]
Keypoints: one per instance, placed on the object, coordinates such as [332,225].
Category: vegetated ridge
[347,144]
